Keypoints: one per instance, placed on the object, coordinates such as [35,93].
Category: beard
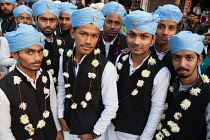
[46,33]
[8,14]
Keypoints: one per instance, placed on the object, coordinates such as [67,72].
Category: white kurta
[5,117]
[159,92]
[109,98]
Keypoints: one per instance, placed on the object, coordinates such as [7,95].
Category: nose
[25,20]
[137,41]
[48,23]
[88,40]
[37,56]
[64,21]
[113,26]
[165,31]
[182,62]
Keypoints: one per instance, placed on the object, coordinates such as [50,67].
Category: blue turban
[67,7]
[169,11]
[22,9]
[24,37]
[186,40]
[85,16]
[114,7]
[10,1]
[43,6]
[142,21]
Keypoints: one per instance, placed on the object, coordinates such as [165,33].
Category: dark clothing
[167,60]
[69,41]
[35,100]
[134,111]
[119,44]
[204,53]
[204,28]
[53,55]
[82,120]
[8,25]
[192,124]
[188,27]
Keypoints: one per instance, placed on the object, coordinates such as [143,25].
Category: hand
[85,137]
[59,135]
[138,139]
[63,124]
[2,74]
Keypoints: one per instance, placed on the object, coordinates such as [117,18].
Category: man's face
[184,16]
[24,18]
[166,29]
[112,25]
[7,8]
[139,41]
[86,37]
[29,59]
[185,63]
[191,17]
[64,21]
[206,40]
[47,23]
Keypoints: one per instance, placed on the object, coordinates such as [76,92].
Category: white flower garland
[185,104]
[145,73]
[24,119]
[49,62]
[91,75]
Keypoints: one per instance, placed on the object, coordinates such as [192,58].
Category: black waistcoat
[133,112]
[119,44]
[53,55]
[167,60]
[8,26]
[69,41]
[82,120]
[35,99]
[192,124]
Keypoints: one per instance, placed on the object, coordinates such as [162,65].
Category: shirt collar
[160,52]
[111,43]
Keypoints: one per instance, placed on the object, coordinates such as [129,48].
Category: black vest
[192,124]
[8,26]
[167,60]
[53,55]
[133,112]
[35,100]
[82,120]
[69,41]
[119,44]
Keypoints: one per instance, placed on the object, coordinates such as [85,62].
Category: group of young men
[65,85]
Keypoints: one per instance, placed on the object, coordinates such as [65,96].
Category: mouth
[36,64]
[164,39]
[48,29]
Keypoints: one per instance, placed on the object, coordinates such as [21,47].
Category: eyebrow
[88,33]
[140,33]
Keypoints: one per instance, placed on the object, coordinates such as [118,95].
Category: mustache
[48,28]
[182,69]
[37,62]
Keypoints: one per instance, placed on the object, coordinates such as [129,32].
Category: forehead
[64,15]
[47,15]
[167,22]
[24,15]
[184,53]
[5,2]
[136,31]
[34,47]
[88,28]
[113,17]
[207,37]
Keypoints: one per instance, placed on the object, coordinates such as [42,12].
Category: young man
[65,24]
[206,43]
[170,16]
[87,92]
[143,82]
[23,14]
[47,12]
[189,95]
[8,24]
[111,42]
[27,96]
[191,24]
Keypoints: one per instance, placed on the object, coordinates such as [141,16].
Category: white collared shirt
[5,117]
[107,45]
[108,92]
[159,93]
[161,54]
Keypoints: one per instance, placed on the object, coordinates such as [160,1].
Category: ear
[200,59]
[14,55]
[72,32]
[153,39]
[36,20]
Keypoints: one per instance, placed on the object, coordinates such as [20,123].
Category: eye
[189,58]
[176,58]
[95,36]
[83,34]
[43,19]
[40,52]
[172,28]
[29,52]
[131,34]
[117,23]
[160,26]
[52,20]
[109,22]
[144,36]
